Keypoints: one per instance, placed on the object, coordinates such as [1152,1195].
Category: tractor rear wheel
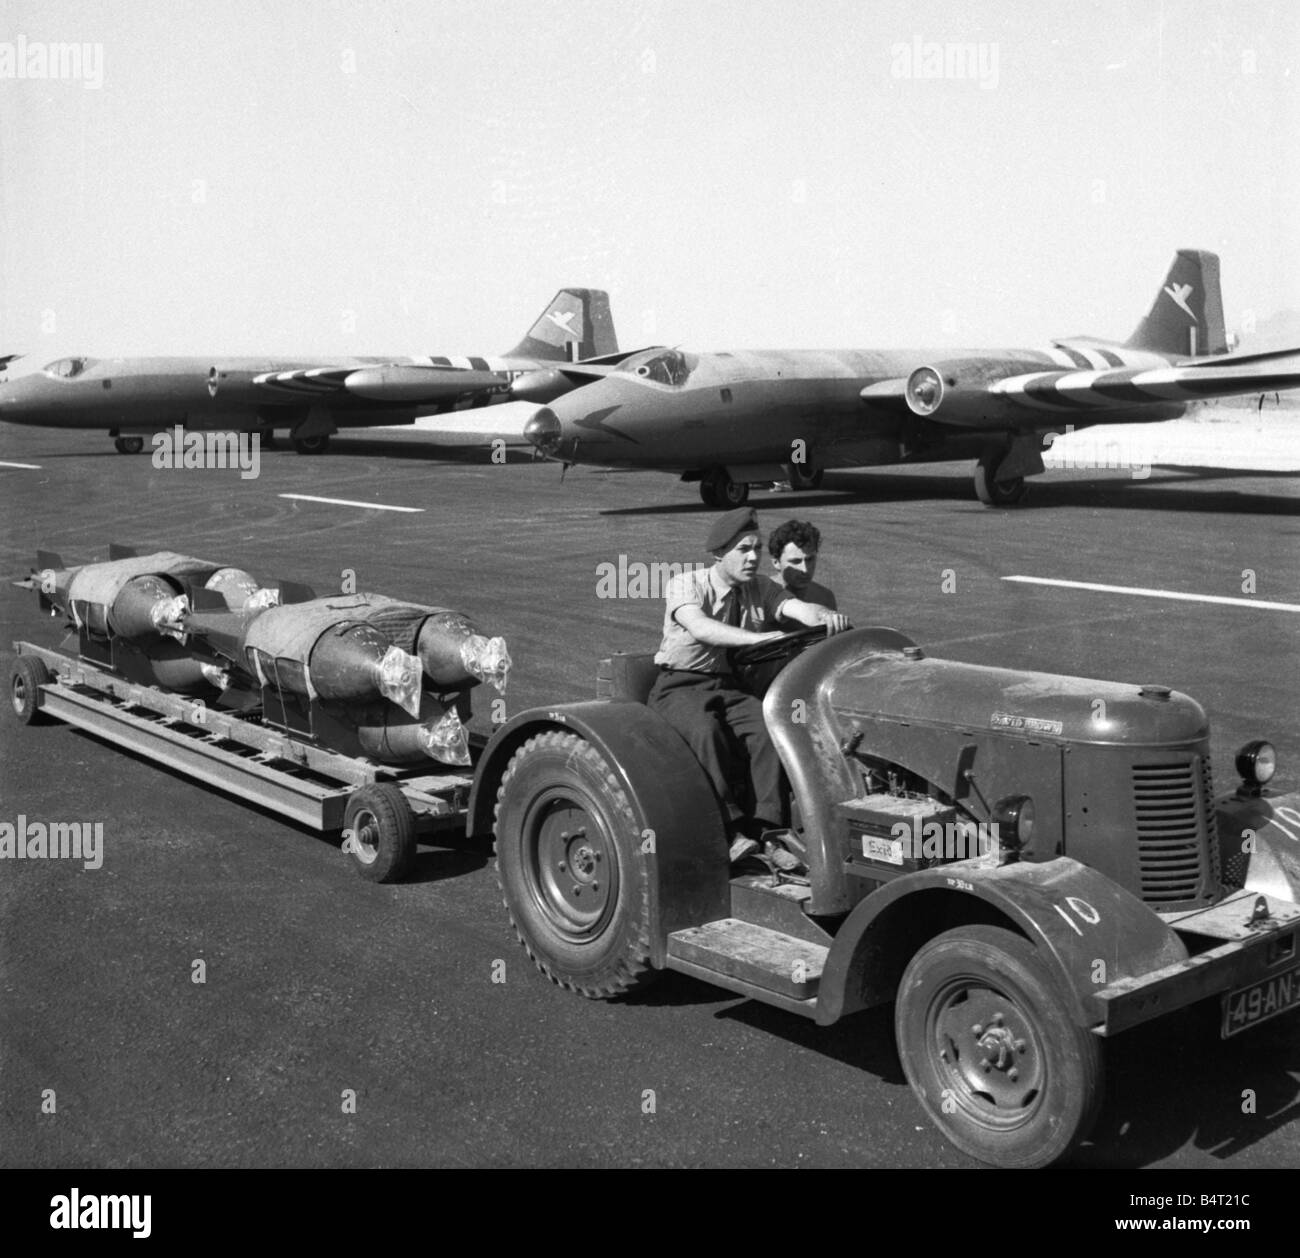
[570,869]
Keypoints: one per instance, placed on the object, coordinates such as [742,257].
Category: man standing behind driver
[793,547]
[727,605]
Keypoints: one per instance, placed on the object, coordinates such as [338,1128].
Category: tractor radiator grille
[1173,807]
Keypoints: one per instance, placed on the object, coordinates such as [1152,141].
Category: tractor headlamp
[1257,762]
[1014,818]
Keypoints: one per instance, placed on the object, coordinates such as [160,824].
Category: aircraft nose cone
[544,430]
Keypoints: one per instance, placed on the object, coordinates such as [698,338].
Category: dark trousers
[723,725]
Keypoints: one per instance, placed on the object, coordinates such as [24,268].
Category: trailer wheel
[28,676]
[992,1052]
[381,832]
[569,867]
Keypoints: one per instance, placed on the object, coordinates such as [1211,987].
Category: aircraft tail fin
[577,324]
[49,559]
[1186,319]
[116,550]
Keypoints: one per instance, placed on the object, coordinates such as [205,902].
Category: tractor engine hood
[906,687]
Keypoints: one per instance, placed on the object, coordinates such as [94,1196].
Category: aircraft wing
[940,394]
[400,384]
[471,428]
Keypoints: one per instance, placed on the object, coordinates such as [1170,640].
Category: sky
[283,177]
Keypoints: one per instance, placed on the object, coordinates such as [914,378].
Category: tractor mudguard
[1259,843]
[680,828]
[1089,929]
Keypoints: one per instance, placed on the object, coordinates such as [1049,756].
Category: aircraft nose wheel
[310,445]
[128,445]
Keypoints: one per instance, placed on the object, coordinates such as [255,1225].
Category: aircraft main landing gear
[311,445]
[128,445]
[717,489]
[803,477]
[991,491]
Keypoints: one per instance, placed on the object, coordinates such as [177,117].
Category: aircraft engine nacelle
[924,393]
[542,385]
[960,389]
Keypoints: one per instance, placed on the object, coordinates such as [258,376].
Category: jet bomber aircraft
[728,420]
[308,398]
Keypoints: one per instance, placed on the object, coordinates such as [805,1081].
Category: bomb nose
[544,430]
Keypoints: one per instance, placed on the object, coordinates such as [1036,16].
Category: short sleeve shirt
[760,607]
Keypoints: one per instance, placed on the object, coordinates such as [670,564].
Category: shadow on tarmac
[1162,491]
[1169,1084]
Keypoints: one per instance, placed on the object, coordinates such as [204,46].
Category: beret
[727,528]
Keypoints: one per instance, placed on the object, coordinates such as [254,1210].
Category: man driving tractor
[708,611]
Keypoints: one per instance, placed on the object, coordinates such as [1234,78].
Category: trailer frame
[237,753]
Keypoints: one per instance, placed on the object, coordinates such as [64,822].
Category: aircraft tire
[993,492]
[128,445]
[717,489]
[311,445]
[803,477]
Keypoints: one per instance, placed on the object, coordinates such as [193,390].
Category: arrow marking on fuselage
[596,422]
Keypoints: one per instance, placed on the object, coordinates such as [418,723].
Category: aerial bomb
[389,734]
[130,606]
[368,674]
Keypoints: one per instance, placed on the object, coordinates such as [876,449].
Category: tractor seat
[627,675]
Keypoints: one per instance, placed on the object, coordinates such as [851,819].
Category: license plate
[1249,1006]
[887,851]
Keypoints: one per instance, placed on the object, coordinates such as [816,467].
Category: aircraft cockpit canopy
[67,368]
[670,366]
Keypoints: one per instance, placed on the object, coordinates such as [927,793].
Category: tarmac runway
[318,982]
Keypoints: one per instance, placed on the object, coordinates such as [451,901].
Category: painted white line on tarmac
[35,467]
[348,502]
[1172,594]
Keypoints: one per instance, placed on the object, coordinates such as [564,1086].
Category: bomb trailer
[1118,890]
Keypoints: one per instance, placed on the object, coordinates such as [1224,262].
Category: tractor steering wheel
[757,665]
[787,646]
